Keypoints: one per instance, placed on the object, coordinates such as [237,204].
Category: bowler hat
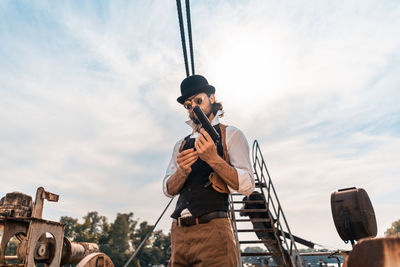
[193,85]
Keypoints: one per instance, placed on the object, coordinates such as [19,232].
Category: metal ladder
[265,219]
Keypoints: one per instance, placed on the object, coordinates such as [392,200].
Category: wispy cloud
[88,100]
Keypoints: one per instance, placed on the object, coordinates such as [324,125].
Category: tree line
[394,229]
[119,239]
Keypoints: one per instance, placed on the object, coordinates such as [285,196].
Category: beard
[194,119]
[193,116]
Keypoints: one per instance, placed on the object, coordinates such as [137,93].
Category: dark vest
[197,194]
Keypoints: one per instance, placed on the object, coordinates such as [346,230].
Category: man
[203,174]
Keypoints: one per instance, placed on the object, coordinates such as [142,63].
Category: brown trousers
[204,245]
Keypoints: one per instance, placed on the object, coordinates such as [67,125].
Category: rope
[147,235]
[190,34]
[182,30]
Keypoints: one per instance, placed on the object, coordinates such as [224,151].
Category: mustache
[193,117]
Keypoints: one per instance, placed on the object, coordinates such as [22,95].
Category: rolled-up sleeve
[239,157]
[172,167]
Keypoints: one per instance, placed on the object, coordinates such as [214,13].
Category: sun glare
[249,70]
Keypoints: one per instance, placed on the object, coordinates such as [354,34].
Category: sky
[88,101]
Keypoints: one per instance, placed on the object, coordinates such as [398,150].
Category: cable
[182,30]
[190,34]
[147,235]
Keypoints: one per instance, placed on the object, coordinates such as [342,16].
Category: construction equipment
[41,242]
[261,213]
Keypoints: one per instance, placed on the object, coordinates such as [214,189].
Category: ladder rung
[249,202]
[253,220]
[251,210]
[251,242]
[249,254]
[269,241]
[261,185]
[255,230]
[263,241]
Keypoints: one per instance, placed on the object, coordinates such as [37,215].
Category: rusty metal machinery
[353,214]
[41,241]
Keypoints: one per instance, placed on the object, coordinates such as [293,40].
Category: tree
[145,254]
[395,229]
[120,234]
[70,226]
[121,238]
[93,228]
[161,247]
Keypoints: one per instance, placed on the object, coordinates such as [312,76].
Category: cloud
[88,100]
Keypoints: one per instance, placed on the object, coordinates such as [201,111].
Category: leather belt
[189,221]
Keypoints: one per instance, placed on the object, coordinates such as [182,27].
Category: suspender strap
[217,183]
[223,137]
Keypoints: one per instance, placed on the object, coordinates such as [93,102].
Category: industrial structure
[41,242]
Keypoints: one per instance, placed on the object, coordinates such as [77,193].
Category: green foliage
[121,238]
[70,226]
[161,246]
[394,229]
[156,249]
[12,246]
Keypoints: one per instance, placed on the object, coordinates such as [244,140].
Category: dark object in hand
[205,123]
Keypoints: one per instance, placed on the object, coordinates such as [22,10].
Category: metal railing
[235,229]
[263,178]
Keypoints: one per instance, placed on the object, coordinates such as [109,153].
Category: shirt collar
[214,122]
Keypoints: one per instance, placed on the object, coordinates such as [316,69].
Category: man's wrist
[175,183]
[182,173]
[215,161]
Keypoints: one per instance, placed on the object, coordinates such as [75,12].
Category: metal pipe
[74,252]
[11,258]
[328,253]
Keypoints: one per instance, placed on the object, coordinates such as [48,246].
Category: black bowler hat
[193,85]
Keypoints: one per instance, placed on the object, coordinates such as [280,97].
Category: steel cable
[189,26]
[182,30]
[147,235]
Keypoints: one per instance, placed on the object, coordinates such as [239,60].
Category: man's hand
[185,160]
[207,151]
[205,147]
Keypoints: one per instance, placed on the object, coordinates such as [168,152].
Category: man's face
[201,100]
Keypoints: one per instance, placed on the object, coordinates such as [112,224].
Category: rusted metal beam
[41,195]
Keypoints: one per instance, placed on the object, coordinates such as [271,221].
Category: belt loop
[179,221]
[197,221]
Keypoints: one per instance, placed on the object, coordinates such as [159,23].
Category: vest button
[190,189]
[187,202]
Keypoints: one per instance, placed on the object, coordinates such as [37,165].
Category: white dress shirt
[238,151]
